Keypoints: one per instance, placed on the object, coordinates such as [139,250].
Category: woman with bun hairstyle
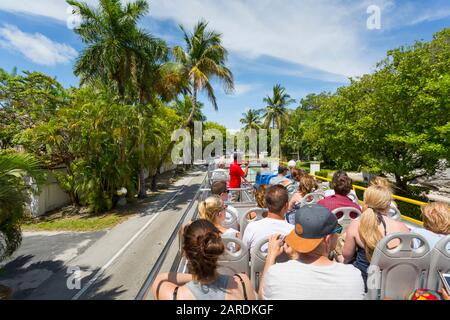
[202,246]
[214,210]
[374,224]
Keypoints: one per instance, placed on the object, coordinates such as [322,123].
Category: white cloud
[243,88]
[55,9]
[36,47]
[325,35]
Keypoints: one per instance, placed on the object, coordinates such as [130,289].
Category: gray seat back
[258,257]
[257,262]
[291,189]
[394,273]
[312,198]
[235,258]
[231,218]
[440,262]
[218,176]
[346,215]
[394,213]
[245,221]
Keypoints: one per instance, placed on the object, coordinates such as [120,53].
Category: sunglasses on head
[338,229]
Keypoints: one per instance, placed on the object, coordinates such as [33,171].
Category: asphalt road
[98,265]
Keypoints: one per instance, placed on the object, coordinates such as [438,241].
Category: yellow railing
[403,199]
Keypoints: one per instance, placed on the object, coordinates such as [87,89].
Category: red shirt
[236,173]
[337,201]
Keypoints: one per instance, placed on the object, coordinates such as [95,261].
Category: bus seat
[231,218]
[440,262]
[346,215]
[312,198]
[245,221]
[291,189]
[394,273]
[394,213]
[263,179]
[235,258]
[218,176]
[258,260]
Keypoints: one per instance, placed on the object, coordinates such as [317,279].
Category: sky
[307,46]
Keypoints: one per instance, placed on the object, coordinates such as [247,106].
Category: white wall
[50,198]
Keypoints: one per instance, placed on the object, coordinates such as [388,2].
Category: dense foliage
[14,194]
[394,121]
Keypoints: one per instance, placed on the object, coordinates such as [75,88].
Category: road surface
[98,265]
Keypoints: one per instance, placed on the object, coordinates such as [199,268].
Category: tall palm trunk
[172,143]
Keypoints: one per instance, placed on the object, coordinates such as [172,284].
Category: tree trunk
[188,122]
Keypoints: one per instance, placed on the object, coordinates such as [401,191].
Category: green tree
[251,120]
[203,60]
[25,101]
[14,195]
[119,53]
[392,121]
[276,112]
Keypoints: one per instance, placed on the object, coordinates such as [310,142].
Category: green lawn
[77,223]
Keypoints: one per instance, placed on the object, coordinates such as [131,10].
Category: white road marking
[122,250]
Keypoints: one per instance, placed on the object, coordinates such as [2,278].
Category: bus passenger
[374,224]
[309,275]
[202,246]
[275,222]
[213,210]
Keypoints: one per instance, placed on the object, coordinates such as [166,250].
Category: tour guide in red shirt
[236,175]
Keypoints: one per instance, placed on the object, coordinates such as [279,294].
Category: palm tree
[251,120]
[121,55]
[276,112]
[183,108]
[203,59]
[117,50]
[14,194]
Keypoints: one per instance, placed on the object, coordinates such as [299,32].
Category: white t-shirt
[263,229]
[294,280]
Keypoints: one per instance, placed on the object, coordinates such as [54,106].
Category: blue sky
[308,46]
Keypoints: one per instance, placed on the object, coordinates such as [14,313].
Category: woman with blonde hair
[364,234]
[436,222]
[214,210]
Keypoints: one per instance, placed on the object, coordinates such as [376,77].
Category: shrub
[322,173]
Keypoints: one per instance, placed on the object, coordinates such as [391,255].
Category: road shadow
[50,280]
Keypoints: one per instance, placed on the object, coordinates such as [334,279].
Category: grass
[77,223]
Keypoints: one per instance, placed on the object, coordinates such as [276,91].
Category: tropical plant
[251,119]
[118,52]
[203,59]
[25,101]
[392,121]
[14,195]
[276,112]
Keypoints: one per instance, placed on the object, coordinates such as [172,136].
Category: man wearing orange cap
[309,275]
